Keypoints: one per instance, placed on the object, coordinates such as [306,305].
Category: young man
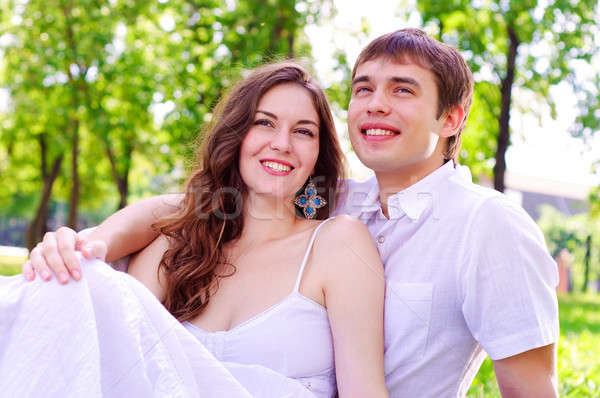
[467,271]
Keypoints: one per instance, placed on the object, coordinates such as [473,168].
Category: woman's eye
[305,132]
[263,122]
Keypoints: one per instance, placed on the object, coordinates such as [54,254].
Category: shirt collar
[365,203]
[413,200]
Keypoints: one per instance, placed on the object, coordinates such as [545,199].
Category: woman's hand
[56,255]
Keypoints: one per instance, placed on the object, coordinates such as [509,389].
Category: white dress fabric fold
[108,336]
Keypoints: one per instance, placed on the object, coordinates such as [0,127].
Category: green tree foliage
[54,55]
[106,95]
[572,233]
[594,199]
[513,47]
[220,41]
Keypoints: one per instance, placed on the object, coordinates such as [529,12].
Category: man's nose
[378,104]
[281,140]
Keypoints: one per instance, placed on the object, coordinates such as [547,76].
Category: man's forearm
[130,229]
[530,374]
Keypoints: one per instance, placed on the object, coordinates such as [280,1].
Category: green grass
[578,352]
[10,265]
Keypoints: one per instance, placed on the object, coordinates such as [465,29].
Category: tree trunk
[38,225]
[122,181]
[291,44]
[77,84]
[503,121]
[123,188]
[586,262]
[74,199]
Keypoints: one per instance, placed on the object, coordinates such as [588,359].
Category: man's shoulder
[461,187]
[471,197]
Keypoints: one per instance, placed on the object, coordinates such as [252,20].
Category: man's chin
[380,164]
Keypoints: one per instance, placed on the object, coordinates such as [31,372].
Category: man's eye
[403,90]
[363,89]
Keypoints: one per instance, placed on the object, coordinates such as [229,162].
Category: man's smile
[378,131]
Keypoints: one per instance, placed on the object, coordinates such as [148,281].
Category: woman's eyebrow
[267,113]
[303,121]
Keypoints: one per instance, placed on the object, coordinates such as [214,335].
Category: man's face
[392,116]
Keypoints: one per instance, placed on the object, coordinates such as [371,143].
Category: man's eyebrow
[360,79]
[405,80]
[393,79]
[303,121]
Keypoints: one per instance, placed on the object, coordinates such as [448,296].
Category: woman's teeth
[379,132]
[277,166]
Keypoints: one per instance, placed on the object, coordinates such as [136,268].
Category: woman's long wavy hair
[211,214]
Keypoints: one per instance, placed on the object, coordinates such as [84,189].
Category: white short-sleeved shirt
[467,273]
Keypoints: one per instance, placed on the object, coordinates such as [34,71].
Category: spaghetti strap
[307,253]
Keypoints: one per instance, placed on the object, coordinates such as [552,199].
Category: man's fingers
[53,258]
[66,240]
[38,262]
[28,272]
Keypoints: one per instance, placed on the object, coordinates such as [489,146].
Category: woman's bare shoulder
[344,227]
[346,241]
[144,265]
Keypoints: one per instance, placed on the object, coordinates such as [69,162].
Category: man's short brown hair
[453,77]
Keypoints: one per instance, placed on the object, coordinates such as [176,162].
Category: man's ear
[452,120]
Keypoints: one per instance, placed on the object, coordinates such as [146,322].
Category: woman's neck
[268,218]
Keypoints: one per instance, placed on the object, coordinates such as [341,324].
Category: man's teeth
[277,166]
[379,132]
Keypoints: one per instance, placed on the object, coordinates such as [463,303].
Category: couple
[466,271]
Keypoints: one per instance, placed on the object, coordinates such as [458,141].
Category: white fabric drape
[108,336]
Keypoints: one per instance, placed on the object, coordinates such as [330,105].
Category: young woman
[248,267]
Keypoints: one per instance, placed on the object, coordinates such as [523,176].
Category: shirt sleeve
[509,281]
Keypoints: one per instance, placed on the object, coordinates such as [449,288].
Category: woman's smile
[277,167]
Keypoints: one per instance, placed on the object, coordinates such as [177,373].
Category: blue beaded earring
[310,201]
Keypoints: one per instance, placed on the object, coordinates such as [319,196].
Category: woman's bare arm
[354,296]
[130,229]
[125,232]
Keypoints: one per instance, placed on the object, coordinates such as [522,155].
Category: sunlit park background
[100,102]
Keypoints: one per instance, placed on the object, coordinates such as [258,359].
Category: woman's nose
[281,141]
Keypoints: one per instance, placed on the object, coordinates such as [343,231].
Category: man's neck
[391,183]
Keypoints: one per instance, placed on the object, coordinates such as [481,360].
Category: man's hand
[531,374]
[56,255]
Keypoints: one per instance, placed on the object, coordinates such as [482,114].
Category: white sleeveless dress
[108,336]
[292,337]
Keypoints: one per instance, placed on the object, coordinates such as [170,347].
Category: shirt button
[380,239]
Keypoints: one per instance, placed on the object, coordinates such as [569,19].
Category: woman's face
[280,150]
